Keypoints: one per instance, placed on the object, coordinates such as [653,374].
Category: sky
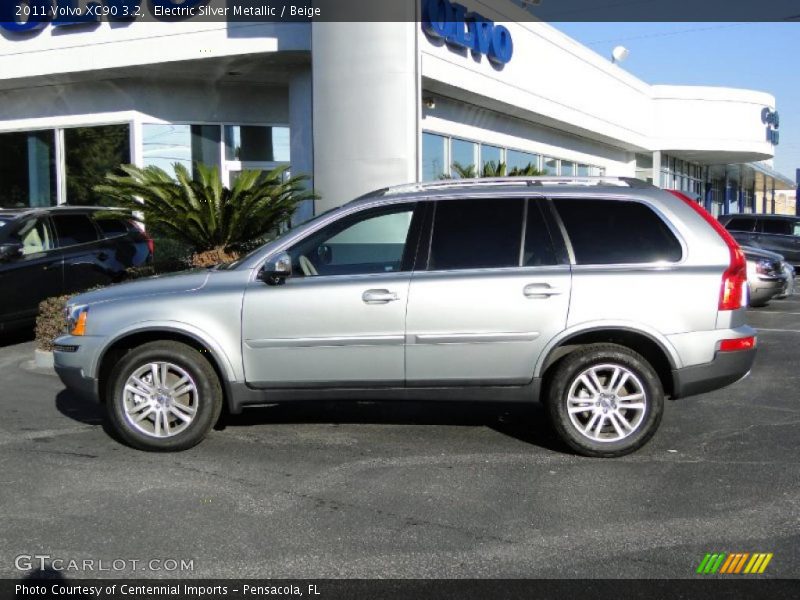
[758,56]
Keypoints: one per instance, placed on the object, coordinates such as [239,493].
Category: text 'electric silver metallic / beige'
[598,296]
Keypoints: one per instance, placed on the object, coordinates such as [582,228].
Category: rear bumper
[725,369]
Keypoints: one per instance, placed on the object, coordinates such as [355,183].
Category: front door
[33,276]
[339,320]
[494,293]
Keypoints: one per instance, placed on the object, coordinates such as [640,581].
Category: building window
[463,158]
[165,145]
[491,154]
[515,159]
[90,153]
[550,166]
[434,163]
[28,169]
[247,143]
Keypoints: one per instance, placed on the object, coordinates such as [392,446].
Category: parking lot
[408,490]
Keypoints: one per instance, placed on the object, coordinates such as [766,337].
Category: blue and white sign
[458,27]
[772,120]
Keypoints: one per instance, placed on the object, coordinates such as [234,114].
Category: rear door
[87,262]
[494,292]
[33,276]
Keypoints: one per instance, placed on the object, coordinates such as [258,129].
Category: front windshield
[280,236]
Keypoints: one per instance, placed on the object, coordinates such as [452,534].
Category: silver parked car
[600,296]
[766,278]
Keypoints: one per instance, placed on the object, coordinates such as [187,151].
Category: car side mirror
[10,251]
[276,270]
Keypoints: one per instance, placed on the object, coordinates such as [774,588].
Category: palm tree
[527,171]
[200,212]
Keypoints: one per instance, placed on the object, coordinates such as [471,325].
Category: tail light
[151,245]
[734,279]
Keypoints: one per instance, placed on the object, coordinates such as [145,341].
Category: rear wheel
[605,400]
[163,396]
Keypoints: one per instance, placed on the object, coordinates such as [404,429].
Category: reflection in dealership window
[165,145]
[248,143]
[433,157]
[90,153]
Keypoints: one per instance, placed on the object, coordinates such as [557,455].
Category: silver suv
[599,296]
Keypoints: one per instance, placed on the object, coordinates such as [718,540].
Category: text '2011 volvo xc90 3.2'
[599,296]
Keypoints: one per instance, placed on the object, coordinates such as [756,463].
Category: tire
[600,430]
[155,419]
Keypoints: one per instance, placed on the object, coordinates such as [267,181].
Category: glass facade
[248,143]
[28,169]
[443,156]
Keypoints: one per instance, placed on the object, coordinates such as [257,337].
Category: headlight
[76,319]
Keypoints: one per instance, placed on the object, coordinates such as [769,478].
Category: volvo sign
[452,23]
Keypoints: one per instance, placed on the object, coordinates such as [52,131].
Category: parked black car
[47,252]
[776,233]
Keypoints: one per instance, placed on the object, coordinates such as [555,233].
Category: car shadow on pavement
[527,423]
[84,411]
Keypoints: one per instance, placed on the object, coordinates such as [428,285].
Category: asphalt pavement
[405,489]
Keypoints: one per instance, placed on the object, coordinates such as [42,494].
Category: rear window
[740,224]
[74,229]
[605,232]
[778,226]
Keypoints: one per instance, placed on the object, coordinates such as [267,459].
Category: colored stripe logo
[734,563]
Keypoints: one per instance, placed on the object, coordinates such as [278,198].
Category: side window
[796,228]
[111,227]
[372,241]
[476,234]
[35,236]
[778,226]
[74,229]
[740,224]
[605,232]
[539,250]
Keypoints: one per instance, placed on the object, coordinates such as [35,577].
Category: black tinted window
[474,234]
[776,226]
[74,229]
[606,232]
[111,227]
[539,249]
[739,224]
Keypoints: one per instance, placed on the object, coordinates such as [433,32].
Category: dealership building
[360,106]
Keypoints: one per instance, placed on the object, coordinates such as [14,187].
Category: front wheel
[605,400]
[163,396]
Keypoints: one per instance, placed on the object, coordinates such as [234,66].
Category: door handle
[540,290]
[379,296]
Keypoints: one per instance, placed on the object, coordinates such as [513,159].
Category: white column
[365,112]
[657,168]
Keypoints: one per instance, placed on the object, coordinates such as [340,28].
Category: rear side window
[740,224]
[778,226]
[605,232]
[111,227]
[74,229]
[477,234]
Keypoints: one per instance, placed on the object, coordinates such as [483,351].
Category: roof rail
[443,184]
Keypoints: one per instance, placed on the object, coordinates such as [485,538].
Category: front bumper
[725,369]
[73,362]
[763,290]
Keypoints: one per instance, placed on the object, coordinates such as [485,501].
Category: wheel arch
[130,339]
[653,347]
